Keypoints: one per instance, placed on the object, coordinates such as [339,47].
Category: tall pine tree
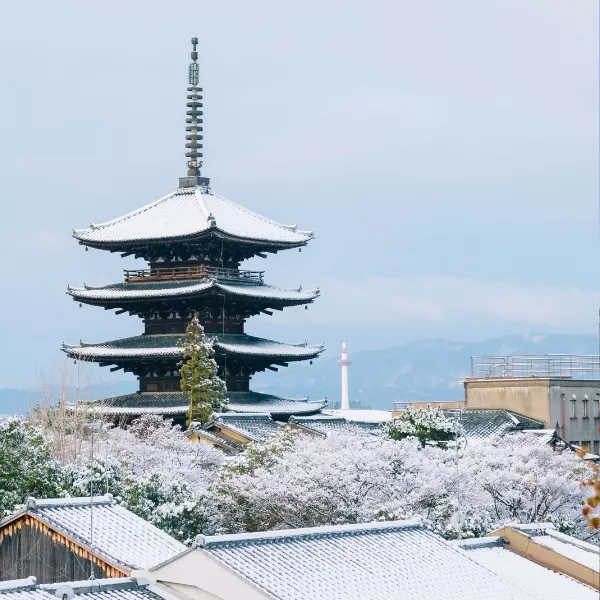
[199,375]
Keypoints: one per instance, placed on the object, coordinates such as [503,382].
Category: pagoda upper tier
[193,224]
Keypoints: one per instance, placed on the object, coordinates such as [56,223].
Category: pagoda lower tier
[175,405]
[171,299]
[154,358]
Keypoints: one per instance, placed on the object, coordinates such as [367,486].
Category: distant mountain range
[421,370]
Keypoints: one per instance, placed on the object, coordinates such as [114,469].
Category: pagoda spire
[193,127]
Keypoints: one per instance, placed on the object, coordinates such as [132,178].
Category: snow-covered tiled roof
[175,403]
[483,422]
[156,290]
[329,424]
[166,345]
[364,415]
[119,535]
[190,213]
[576,550]
[255,426]
[375,561]
[538,581]
[249,402]
[124,588]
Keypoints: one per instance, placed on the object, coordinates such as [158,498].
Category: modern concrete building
[560,390]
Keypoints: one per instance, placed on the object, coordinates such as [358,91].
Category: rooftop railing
[572,366]
[194,272]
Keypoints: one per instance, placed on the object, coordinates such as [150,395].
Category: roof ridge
[35,503]
[484,542]
[100,585]
[18,584]
[314,532]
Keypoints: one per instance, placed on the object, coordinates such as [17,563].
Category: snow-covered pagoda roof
[176,403]
[120,588]
[166,345]
[159,290]
[191,213]
[372,561]
[119,535]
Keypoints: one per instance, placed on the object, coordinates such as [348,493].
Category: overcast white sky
[445,153]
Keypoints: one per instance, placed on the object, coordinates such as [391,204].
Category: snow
[540,582]
[165,345]
[124,588]
[118,534]
[186,213]
[370,416]
[17,584]
[589,557]
[34,503]
[152,290]
[302,480]
[376,561]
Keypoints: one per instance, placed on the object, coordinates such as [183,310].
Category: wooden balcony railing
[195,272]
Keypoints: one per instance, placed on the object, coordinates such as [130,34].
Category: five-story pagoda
[194,242]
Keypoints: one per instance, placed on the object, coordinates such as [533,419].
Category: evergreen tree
[426,424]
[199,375]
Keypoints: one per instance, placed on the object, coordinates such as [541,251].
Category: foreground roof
[189,214]
[159,290]
[166,345]
[483,422]
[124,588]
[176,403]
[119,535]
[494,554]
[375,561]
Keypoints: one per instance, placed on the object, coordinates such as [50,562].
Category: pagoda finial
[193,127]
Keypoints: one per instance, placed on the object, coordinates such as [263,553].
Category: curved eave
[175,403]
[244,346]
[116,298]
[189,214]
[194,238]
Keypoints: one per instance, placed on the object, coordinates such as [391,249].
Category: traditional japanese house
[194,242]
[75,539]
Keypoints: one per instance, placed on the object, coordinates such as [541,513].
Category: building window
[584,407]
[586,445]
[597,447]
[596,413]
[573,407]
